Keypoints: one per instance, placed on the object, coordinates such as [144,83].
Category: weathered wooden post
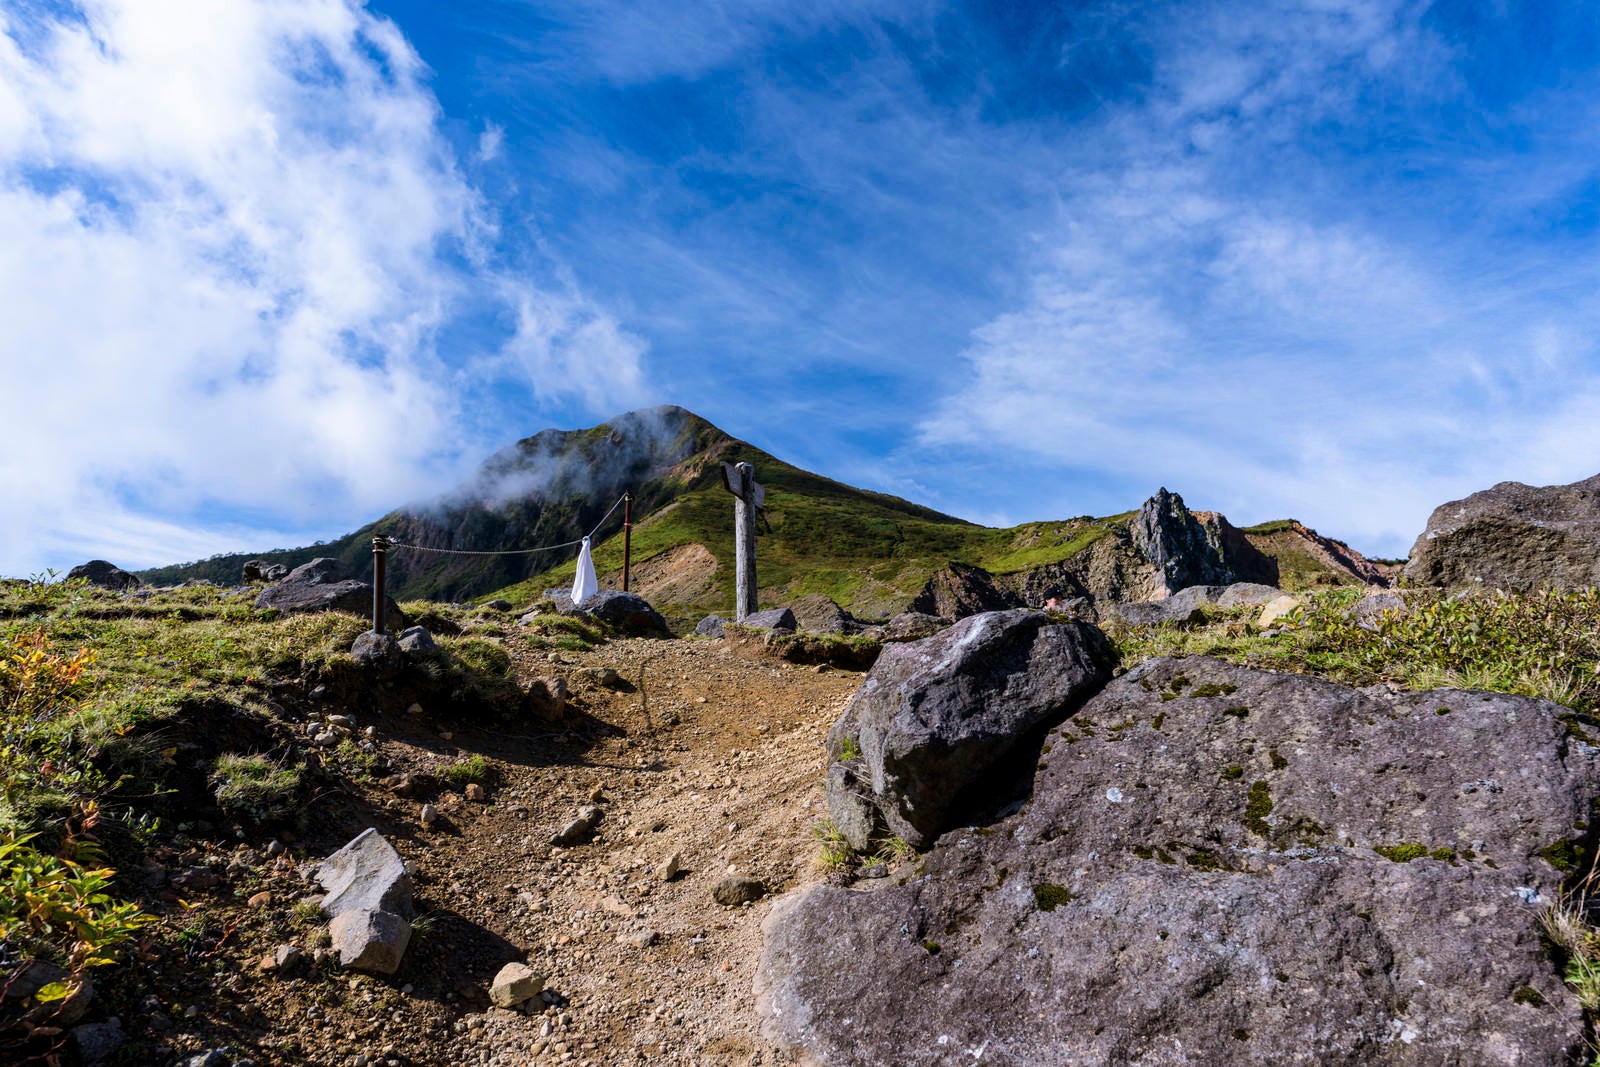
[748,495]
[380,551]
[627,536]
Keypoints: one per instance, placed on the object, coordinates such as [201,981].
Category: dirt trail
[714,757]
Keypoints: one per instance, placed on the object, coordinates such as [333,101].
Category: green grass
[1541,644]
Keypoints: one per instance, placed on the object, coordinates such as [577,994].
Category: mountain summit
[508,531]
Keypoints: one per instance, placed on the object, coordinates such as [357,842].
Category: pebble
[260,900]
[430,815]
[475,793]
[669,868]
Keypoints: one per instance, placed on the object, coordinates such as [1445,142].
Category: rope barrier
[513,551]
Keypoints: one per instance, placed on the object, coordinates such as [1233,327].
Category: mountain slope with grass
[872,553]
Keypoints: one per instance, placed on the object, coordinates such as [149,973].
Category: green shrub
[473,769]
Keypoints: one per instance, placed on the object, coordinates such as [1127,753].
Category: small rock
[738,890]
[514,984]
[261,899]
[98,1041]
[213,1057]
[669,868]
[430,815]
[475,793]
[417,641]
[499,605]
[275,848]
[414,709]
[575,832]
[640,938]
[288,958]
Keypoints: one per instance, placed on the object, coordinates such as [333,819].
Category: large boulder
[626,613]
[324,585]
[369,900]
[1513,537]
[928,738]
[104,574]
[1222,865]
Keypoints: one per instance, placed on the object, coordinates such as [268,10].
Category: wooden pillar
[627,536]
[380,552]
[748,495]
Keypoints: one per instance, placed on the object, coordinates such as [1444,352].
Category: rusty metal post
[627,536]
[380,552]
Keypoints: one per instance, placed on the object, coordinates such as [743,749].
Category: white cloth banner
[585,584]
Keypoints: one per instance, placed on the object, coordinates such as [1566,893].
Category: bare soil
[690,749]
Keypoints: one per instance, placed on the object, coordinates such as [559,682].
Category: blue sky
[273,268]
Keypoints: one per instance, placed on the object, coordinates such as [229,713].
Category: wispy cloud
[1278,344]
[234,235]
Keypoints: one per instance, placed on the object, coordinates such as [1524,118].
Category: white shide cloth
[585,584]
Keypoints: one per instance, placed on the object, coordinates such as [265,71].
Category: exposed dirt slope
[716,758]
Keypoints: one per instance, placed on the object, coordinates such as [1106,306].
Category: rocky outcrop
[323,585]
[1221,865]
[1513,537]
[369,900]
[1187,548]
[104,574]
[928,739]
[960,590]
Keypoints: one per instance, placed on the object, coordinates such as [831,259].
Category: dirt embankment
[688,749]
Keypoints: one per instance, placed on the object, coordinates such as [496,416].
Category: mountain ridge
[872,553]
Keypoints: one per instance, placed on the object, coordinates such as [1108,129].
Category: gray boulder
[771,619]
[323,585]
[1513,537]
[1221,865]
[256,570]
[913,626]
[936,721]
[98,1042]
[105,575]
[369,900]
[710,626]
[417,641]
[377,651]
[562,599]
[820,614]
[1240,594]
[1185,607]
[626,613]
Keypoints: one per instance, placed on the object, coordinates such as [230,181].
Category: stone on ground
[514,984]
[104,574]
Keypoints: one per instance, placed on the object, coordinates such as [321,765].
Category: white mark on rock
[1114,795]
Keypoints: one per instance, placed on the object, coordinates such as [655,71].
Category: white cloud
[1265,348]
[233,232]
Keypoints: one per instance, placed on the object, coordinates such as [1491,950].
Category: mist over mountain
[508,530]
